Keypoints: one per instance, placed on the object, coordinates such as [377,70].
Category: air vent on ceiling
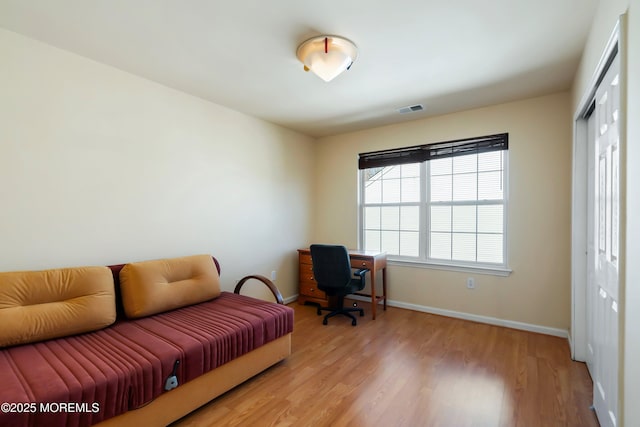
[410,109]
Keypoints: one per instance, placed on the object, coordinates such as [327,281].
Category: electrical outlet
[471,283]
[273,275]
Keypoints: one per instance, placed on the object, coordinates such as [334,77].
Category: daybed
[97,345]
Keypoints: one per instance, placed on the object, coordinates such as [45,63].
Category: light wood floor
[408,368]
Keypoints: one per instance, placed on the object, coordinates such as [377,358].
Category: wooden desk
[375,261]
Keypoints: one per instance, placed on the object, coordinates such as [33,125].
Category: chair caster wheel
[361,313]
[324,322]
[353,323]
[319,312]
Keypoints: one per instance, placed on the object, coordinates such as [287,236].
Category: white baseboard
[475,318]
[290,299]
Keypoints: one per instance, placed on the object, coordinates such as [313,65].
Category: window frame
[423,260]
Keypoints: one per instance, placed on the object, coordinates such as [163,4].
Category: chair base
[334,311]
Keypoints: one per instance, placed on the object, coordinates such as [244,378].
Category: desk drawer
[310,289]
[305,271]
[361,263]
[305,259]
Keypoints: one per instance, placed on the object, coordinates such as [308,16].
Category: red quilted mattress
[102,374]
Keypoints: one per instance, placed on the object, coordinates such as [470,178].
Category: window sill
[493,271]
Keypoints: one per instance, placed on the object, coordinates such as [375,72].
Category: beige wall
[538,290]
[602,27]
[98,166]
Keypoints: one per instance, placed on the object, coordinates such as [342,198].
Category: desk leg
[373,294]
[384,288]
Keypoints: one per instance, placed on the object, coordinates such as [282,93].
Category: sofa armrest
[272,287]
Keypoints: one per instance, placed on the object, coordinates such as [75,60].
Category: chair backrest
[331,266]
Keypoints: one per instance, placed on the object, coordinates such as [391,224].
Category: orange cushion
[40,305]
[151,287]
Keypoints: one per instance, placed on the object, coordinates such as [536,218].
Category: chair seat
[354,286]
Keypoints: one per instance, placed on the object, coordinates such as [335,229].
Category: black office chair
[332,271]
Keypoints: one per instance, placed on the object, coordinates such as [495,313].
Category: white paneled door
[602,297]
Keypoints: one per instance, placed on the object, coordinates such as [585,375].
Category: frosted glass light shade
[327,56]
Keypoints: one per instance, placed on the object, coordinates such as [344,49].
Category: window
[442,203]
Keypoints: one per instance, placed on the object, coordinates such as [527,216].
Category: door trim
[578,332]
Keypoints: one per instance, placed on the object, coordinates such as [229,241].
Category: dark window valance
[437,150]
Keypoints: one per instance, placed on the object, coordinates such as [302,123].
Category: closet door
[604,290]
[592,287]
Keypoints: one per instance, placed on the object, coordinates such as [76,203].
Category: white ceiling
[447,55]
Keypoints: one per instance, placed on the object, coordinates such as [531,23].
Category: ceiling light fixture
[327,56]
